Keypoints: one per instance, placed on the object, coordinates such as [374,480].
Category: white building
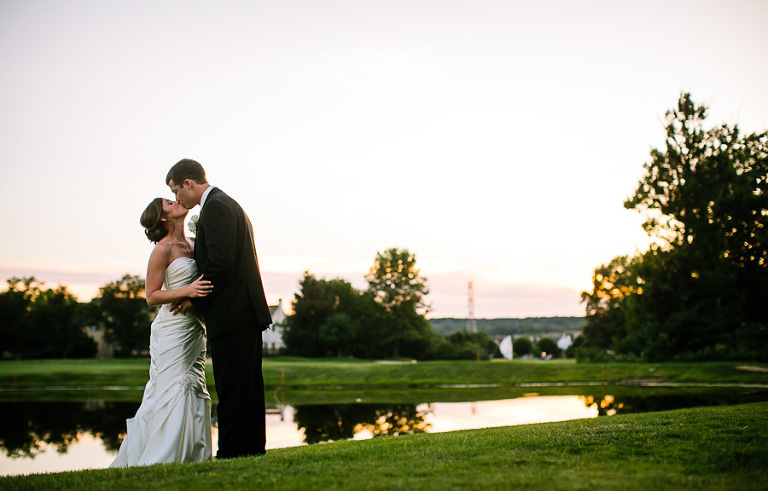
[273,337]
[564,342]
[103,348]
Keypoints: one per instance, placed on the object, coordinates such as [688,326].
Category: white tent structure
[564,342]
[505,346]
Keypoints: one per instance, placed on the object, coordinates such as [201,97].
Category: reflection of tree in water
[397,420]
[26,426]
[608,405]
[341,421]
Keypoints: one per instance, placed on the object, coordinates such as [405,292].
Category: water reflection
[509,412]
[609,405]
[33,434]
[329,422]
[27,427]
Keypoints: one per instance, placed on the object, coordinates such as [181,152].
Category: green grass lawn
[704,448]
[300,373]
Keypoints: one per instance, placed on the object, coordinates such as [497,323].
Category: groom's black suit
[235,313]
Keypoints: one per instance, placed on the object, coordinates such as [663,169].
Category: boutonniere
[193,223]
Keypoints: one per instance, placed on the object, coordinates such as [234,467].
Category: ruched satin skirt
[173,423]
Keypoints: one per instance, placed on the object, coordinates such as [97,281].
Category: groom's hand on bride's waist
[181,306]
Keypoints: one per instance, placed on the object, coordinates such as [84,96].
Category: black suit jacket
[225,254]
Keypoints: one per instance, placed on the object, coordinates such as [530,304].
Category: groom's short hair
[186,169]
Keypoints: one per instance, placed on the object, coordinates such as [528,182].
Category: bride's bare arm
[158,263]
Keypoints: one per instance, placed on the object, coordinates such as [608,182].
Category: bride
[173,423]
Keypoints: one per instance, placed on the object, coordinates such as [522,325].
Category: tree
[58,326]
[611,284]
[122,310]
[705,196]
[15,303]
[331,317]
[570,351]
[548,346]
[699,291]
[367,321]
[395,281]
[708,186]
[401,290]
[339,332]
[521,346]
[39,322]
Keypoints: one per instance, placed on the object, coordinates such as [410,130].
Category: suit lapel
[214,190]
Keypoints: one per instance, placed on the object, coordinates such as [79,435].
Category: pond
[52,436]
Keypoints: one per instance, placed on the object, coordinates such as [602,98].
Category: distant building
[273,337]
[103,348]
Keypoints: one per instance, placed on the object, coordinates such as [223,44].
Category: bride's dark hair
[152,220]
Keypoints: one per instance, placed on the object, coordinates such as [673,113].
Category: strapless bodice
[181,272]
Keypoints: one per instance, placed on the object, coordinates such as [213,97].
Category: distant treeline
[529,326]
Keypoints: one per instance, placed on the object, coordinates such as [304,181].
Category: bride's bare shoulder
[161,253]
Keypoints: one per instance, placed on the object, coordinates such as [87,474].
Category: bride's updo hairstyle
[151,220]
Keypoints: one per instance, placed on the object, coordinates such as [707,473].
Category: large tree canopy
[39,322]
[700,291]
[707,186]
[330,318]
[396,281]
[122,310]
[398,286]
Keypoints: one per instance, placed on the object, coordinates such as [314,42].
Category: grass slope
[703,448]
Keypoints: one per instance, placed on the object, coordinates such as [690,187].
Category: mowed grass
[298,373]
[704,448]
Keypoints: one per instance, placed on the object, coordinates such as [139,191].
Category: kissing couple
[210,286]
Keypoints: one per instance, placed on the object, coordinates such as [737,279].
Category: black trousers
[240,388]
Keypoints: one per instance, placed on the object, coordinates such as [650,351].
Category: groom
[235,312]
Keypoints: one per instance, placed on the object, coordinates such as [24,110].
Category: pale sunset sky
[496,140]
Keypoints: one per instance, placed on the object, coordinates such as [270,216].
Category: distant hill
[529,326]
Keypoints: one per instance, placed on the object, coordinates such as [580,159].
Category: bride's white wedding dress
[173,423]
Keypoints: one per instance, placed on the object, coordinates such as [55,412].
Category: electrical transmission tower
[471,324]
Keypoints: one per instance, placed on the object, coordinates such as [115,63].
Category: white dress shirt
[204,197]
